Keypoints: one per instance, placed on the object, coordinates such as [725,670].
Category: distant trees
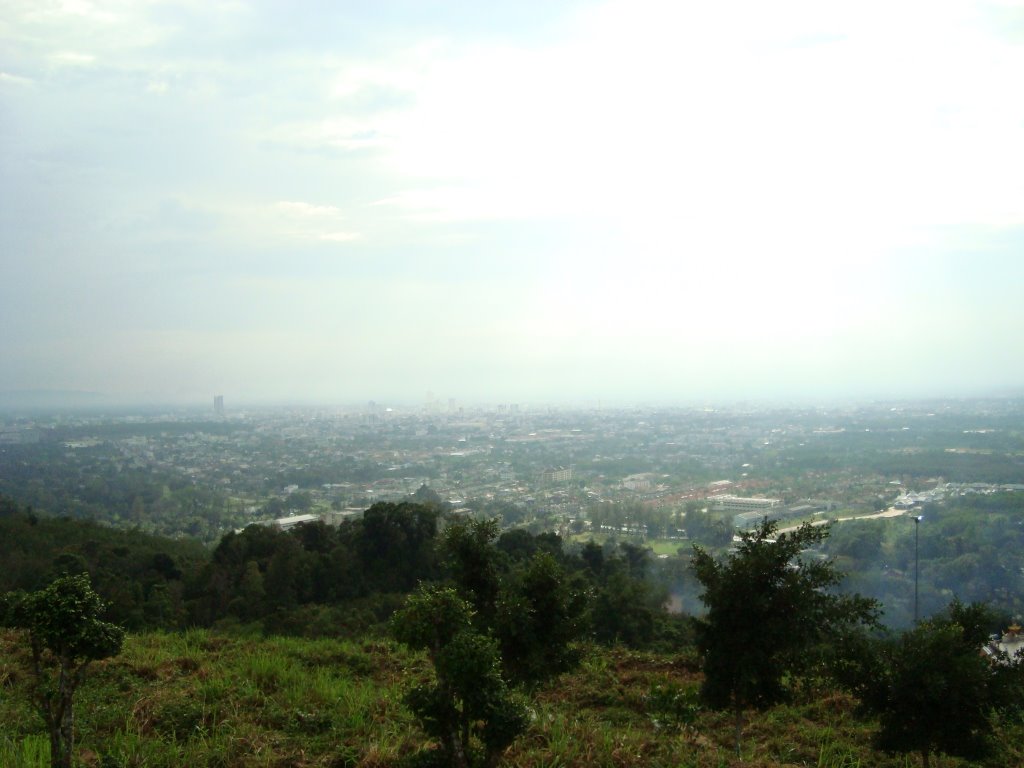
[767,608]
[281,578]
[65,633]
[397,543]
[427,495]
[971,546]
[142,577]
[858,540]
[706,528]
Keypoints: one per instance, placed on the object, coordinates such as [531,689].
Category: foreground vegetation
[513,649]
[203,699]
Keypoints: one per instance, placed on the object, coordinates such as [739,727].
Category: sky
[623,201]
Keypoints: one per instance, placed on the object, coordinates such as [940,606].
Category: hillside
[203,700]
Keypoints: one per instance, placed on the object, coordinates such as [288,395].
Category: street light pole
[917,523]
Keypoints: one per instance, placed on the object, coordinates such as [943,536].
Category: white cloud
[344,133]
[7,77]
[296,219]
[340,237]
[73,58]
[299,208]
[52,10]
[722,182]
[894,118]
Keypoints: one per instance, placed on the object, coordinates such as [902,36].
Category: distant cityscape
[549,468]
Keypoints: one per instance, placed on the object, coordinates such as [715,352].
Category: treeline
[144,578]
[987,466]
[320,580]
[316,579]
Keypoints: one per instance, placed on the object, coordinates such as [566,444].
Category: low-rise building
[728,503]
[1010,643]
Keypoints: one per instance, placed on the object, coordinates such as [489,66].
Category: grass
[211,701]
[29,752]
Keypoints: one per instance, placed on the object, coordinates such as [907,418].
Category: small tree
[934,691]
[468,701]
[66,634]
[767,607]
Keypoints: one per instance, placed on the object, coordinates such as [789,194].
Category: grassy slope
[202,700]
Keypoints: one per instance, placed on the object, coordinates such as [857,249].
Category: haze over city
[610,201]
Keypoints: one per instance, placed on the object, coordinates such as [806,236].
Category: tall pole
[917,523]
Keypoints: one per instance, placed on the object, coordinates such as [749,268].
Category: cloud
[17,80]
[340,237]
[655,110]
[301,209]
[73,58]
[348,134]
[300,220]
[599,193]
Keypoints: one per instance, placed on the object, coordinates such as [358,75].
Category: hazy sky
[511,201]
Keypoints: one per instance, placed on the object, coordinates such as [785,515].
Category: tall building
[218,404]
[556,475]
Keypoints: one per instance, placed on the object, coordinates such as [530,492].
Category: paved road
[890,512]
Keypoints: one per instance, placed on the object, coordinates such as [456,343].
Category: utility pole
[917,522]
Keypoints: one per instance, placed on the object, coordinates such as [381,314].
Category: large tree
[66,633]
[397,545]
[768,606]
[532,607]
[471,560]
[541,613]
[934,691]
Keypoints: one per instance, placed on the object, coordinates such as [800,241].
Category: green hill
[201,699]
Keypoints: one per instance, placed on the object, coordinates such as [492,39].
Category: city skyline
[583,201]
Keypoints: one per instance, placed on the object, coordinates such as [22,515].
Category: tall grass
[30,752]
[205,700]
[833,755]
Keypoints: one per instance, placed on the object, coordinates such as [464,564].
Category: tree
[396,545]
[468,553]
[705,527]
[248,605]
[468,702]
[860,540]
[427,495]
[533,608]
[934,691]
[767,607]
[622,610]
[540,614]
[66,634]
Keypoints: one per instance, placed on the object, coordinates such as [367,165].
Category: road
[890,512]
